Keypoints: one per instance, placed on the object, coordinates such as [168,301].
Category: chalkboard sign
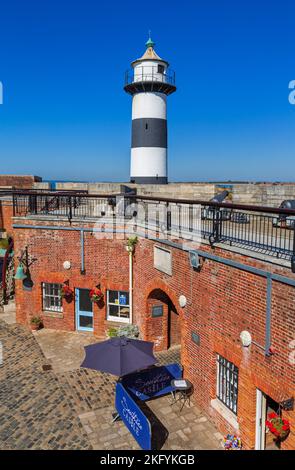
[196,338]
[157,311]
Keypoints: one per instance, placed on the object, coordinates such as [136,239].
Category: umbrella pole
[116,417]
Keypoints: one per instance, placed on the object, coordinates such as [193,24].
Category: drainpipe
[130,253]
[131,285]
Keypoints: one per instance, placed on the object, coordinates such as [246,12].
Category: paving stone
[198,427]
[74,405]
[203,419]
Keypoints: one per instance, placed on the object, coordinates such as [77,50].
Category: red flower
[95,294]
[66,291]
[278,426]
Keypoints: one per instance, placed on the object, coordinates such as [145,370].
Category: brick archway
[163,316]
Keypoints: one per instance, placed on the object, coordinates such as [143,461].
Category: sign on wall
[133,418]
[196,338]
[157,311]
[163,260]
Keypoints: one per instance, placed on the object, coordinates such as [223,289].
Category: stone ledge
[228,415]
[48,314]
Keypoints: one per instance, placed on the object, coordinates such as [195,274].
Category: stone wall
[266,194]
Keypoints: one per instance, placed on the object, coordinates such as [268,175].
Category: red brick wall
[221,302]
[18,181]
[6,213]
[105,263]
[174,327]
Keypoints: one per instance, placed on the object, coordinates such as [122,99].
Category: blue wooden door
[84,310]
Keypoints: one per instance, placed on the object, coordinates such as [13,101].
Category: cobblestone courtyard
[71,408]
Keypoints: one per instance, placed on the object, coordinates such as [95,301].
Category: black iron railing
[262,229]
[148,73]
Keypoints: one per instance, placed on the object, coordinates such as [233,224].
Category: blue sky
[65,114]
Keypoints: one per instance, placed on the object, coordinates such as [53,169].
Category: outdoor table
[183,391]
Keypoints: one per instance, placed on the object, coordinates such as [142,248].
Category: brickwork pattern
[221,302]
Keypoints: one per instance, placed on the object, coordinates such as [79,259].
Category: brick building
[240,282]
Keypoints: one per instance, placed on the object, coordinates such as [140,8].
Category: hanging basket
[66,293]
[96,295]
[278,426]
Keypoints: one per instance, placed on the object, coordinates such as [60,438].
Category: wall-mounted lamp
[66,264]
[25,261]
[246,338]
[182,301]
[20,273]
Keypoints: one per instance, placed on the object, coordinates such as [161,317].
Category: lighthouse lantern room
[149,82]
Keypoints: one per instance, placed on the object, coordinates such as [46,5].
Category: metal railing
[149,74]
[265,230]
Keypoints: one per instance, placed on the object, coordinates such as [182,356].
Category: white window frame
[55,308]
[114,318]
[225,397]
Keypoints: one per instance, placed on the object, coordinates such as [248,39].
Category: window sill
[118,320]
[49,314]
[227,414]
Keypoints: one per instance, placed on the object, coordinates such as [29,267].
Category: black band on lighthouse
[149,132]
[149,179]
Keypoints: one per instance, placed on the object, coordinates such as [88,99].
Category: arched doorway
[163,320]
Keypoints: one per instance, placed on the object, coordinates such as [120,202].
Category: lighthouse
[149,82]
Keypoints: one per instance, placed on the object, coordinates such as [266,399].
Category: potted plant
[130,331]
[66,293]
[131,242]
[112,332]
[36,323]
[96,294]
[278,426]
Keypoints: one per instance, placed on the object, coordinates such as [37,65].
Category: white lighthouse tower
[149,82]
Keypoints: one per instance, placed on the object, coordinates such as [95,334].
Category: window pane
[124,298]
[85,322]
[124,312]
[113,310]
[51,297]
[85,304]
[227,389]
[113,296]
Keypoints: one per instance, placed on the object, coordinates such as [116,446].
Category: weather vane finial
[150,42]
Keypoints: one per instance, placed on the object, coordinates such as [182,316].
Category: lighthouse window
[161,68]
[146,126]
